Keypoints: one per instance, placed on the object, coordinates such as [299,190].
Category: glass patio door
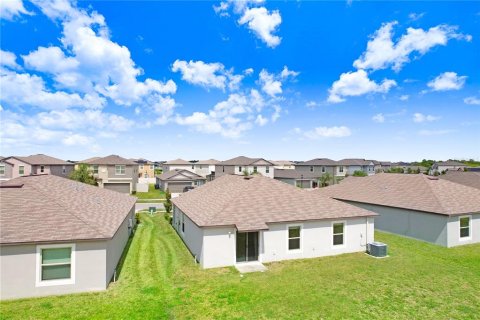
[247,246]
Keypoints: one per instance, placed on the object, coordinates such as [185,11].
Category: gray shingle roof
[209,162]
[111,160]
[47,208]
[251,203]
[42,159]
[354,162]
[318,162]
[294,174]
[181,175]
[178,161]
[242,161]
[409,191]
[470,179]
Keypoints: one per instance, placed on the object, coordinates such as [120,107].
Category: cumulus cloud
[404,97]
[419,118]
[272,83]
[8,59]
[76,139]
[435,132]
[324,132]
[357,83]
[379,118]
[472,100]
[383,52]
[447,81]
[9,9]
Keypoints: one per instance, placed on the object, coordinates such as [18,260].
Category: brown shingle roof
[242,161]
[471,179]
[42,159]
[253,202]
[181,174]
[47,208]
[111,160]
[294,174]
[178,161]
[318,162]
[409,191]
[209,161]
[354,162]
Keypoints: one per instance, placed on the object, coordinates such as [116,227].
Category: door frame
[246,247]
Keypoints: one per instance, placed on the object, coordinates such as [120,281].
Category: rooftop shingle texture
[354,162]
[242,161]
[180,175]
[409,191]
[48,208]
[294,174]
[178,161]
[42,159]
[206,162]
[470,179]
[254,202]
[318,162]
[111,160]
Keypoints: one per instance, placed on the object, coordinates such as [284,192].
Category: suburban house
[178,164]
[176,180]
[205,168]
[16,166]
[236,219]
[416,205]
[241,165]
[468,178]
[349,166]
[283,164]
[115,173]
[296,178]
[443,166]
[59,236]
[317,167]
[146,169]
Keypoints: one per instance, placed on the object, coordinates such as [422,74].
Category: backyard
[153,195]
[160,280]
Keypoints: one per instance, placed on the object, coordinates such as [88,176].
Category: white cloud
[272,83]
[472,100]
[311,104]
[263,23]
[404,97]
[288,73]
[382,52]
[8,59]
[201,73]
[416,16]
[9,9]
[356,83]
[435,132]
[248,71]
[379,118]
[419,118]
[324,132]
[76,139]
[261,121]
[51,60]
[447,81]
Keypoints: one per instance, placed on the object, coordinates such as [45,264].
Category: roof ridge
[433,191]
[228,203]
[61,204]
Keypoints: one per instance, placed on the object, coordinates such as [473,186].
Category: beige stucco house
[16,166]
[241,165]
[66,238]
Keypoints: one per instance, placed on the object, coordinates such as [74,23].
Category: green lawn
[151,194]
[159,280]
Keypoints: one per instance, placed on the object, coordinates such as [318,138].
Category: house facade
[6,169]
[241,165]
[16,166]
[317,167]
[444,166]
[69,255]
[283,164]
[284,223]
[205,168]
[178,164]
[305,180]
[347,167]
[176,180]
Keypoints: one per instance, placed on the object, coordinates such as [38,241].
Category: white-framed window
[2,169]
[120,169]
[340,169]
[338,231]
[21,170]
[294,237]
[42,169]
[465,227]
[311,168]
[255,169]
[323,169]
[55,264]
[267,169]
[239,169]
[95,169]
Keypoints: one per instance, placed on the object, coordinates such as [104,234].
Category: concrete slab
[247,267]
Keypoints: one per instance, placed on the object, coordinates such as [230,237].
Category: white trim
[38,266]
[343,245]
[301,238]
[469,228]
[121,166]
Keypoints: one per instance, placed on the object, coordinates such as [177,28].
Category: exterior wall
[193,235]
[56,170]
[8,171]
[286,180]
[219,247]
[453,228]
[221,170]
[413,224]
[304,184]
[18,269]
[169,167]
[16,164]
[106,174]
[316,170]
[146,171]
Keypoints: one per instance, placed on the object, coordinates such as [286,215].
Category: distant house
[114,173]
[240,165]
[176,180]
[417,206]
[283,164]
[296,178]
[178,164]
[236,219]
[205,168]
[146,170]
[317,167]
[470,179]
[65,239]
[443,166]
[349,166]
[16,166]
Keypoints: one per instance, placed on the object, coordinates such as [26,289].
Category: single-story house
[444,166]
[416,205]
[176,180]
[60,236]
[297,178]
[467,178]
[236,219]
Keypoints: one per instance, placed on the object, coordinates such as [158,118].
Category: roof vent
[432,178]
[247,177]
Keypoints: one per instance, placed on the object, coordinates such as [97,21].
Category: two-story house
[283,164]
[205,168]
[16,166]
[178,164]
[317,167]
[349,166]
[146,168]
[115,173]
[241,165]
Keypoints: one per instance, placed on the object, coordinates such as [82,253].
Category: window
[340,169]
[267,169]
[2,169]
[183,222]
[119,169]
[311,168]
[294,238]
[223,169]
[239,169]
[323,169]
[151,167]
[465,227]
[95,169]
[255,169]
[55,264]
[193,166]
[141,167]
[21,170]
[64,170]
[338,233]
[42,169]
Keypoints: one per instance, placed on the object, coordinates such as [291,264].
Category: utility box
[377,249]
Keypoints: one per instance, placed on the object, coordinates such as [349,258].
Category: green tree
[324,180]
[168,202]
[359,173]
[83,174]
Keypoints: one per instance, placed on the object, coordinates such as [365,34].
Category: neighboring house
[317,167]
[470,179]
[115,173]
[6,169]
[283,164]
[349,166]
[416,205]
[443,166]
[146,169]
[206,168]
[78,163]
[236,219]
[240,165]
[36,164]
[176,180]
[305,180]
[178,164]
[66,238]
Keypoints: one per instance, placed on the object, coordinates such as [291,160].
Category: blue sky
[280,80]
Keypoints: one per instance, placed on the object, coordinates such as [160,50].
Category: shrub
[358,173]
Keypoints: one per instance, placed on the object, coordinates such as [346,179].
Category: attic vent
[247,177]
[432,178]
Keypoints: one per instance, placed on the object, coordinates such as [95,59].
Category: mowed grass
[159,280]
[151,194]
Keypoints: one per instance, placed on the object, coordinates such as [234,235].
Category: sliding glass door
[247,246]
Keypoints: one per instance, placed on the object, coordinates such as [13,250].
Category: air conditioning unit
[377,249]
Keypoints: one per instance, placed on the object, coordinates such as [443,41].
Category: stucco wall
[18,271]
[220,170]
[218,247]
[193,235]
[287,180]
[16,164]
[8,171]
[454,231]
[316,170]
